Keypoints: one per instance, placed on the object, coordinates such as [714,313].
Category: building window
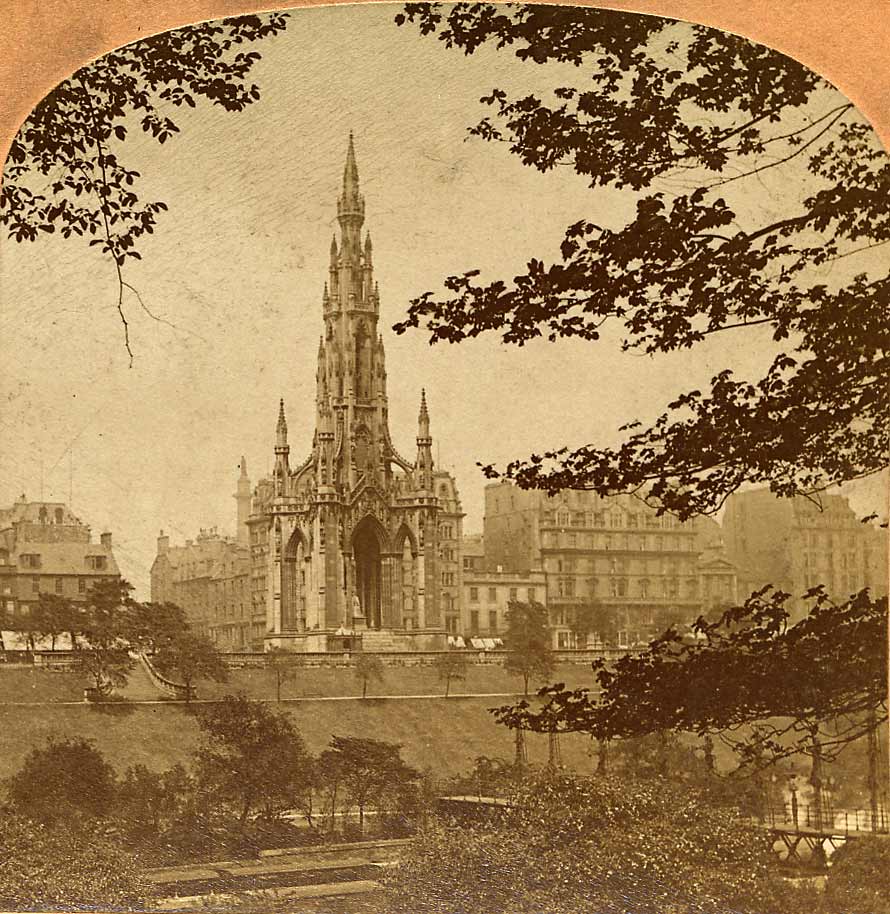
[566,587]
[492,620]
[514,593]
[622,639]
[573,539]
[492,594]
[466,562]
[474,594]
[644,588]
[58,585]
[607,542]
[35,585]
[531,595]
[59,515]
[30,561]
[474,621]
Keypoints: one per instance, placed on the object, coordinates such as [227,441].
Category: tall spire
[350,170]
[424,464]
[242,500]
[423,420]
[281,427]
[282,450]
[351,209]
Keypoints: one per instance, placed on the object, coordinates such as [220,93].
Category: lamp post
[792,786]
[770,796]
[830,784]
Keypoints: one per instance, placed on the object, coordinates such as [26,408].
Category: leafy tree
[65,868]
[285,664]
[768,688]
[367,770]
[689,120]
[192,656]
[153,802]
[154,626]
[569,845]
[53,615]
[367,667]
[250,757]
[593,618]
[449,666]
[528,641]
[65,780]
[66,169]
[105,624]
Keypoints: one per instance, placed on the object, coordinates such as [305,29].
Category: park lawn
[32,683]
[314,682]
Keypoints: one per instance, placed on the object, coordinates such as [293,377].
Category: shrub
[859,878]
[64,780]
[574,846]
[43,867]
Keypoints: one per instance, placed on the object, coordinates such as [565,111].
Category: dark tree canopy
[823,679]
[63,781]
[660,105]
[251,757]
[65,170]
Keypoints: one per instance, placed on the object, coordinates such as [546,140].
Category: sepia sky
[236,269]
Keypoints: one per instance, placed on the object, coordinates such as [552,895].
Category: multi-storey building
[640,571]
[487,595]
[209,577]
[450,535]
[44,548]
[488,590]
[355,539]
[472,549]
[796,543]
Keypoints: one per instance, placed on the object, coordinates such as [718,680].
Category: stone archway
[405,580]
[293,583]
[368,548]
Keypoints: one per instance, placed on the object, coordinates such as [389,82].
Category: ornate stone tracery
[360,519]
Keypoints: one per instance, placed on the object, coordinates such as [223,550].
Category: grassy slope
[28,683]
[411,680]
[444,735]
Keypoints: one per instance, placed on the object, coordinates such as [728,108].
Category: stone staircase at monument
[375,641]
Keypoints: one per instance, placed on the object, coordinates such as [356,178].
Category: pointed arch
[405,577]
[405,533]
[294,582]
[370,544]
